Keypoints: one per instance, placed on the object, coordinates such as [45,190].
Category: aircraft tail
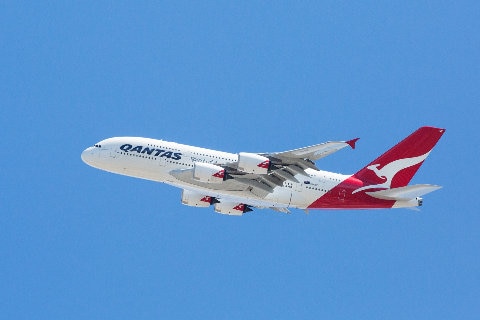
[396,167]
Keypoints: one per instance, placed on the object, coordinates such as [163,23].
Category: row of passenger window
[153,158]
[160,147]
[318,189]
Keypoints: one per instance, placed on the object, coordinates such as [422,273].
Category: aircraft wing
[284,166]
[287,164]
[315,152]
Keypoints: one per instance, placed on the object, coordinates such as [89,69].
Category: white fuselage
[155,160]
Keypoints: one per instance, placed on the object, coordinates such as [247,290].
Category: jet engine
[253,163]
[231,208]
[194,199]
[207,172]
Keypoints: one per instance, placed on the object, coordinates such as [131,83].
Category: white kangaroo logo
[389,171]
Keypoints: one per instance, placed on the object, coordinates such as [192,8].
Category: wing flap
[248,183]
[404,193]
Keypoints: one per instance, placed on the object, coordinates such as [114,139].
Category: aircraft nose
[87,155]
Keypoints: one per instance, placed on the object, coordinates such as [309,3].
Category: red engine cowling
[207,172]
[194,199]
[253,163]
[231,208]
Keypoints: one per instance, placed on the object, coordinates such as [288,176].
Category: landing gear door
[298,195]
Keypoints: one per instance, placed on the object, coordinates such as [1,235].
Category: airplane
[235,183]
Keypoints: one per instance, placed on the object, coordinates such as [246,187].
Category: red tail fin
[396,167]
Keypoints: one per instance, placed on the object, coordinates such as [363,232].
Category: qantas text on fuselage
[236,183]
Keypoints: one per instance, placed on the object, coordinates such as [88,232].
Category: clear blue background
[79,243]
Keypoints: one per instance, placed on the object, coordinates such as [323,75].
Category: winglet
[352,142]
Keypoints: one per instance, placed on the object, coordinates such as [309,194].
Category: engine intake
[231,208]
[194,199]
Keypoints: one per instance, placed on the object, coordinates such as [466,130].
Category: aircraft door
[285,196]
[298,196]
[161,161]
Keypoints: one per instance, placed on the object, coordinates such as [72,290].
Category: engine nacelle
[253,163]
[231,208]
[207,172]
[194,199]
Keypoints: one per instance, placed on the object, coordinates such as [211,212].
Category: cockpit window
[97,146]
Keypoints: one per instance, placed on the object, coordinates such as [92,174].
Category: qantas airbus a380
[236,183]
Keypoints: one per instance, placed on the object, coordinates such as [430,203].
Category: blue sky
[78,243]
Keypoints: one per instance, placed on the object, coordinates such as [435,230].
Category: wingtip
[352,142]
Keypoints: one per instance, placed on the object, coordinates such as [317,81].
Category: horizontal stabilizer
[404,193]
